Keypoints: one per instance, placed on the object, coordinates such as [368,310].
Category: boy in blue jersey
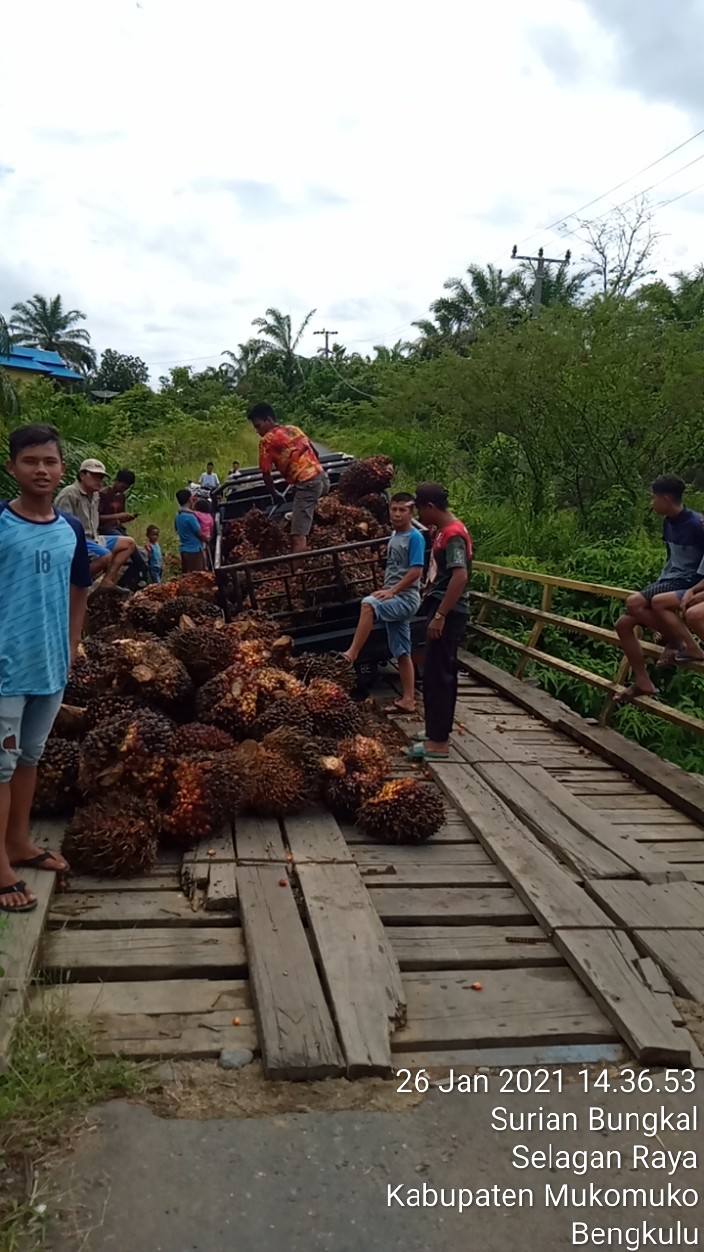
[683,535]
[397,604]
[44,581]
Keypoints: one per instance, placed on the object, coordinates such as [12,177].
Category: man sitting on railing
[683,534]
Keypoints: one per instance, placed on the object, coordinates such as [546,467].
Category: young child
[190,535]
[155,560]
[399,601]
[44,579]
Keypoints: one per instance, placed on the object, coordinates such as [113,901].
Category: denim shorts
[397,615]
[25,723]
[104,548]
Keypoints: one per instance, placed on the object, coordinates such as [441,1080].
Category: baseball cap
[431,493]
[91,466]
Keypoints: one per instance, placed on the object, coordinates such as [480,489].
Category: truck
[315,595]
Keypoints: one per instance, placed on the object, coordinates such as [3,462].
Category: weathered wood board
[199,861]
[604,961]
[166,952]
[122,910]
[466,947]
[168,880]
[174,995]
[221,894]
[681,954]
[421,874]
[457,906]
[357,963]
[546,889]
[551,825]
[259,839]
[138,1036]
[638,905]
[430,853]
[316,837]
[514,1006]
[19,951]
[296,1031]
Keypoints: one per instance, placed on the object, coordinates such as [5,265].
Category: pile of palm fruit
[174,721]
[357,510]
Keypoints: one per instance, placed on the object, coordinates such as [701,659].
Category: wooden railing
[543,617]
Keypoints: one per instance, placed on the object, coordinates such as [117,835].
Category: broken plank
[639,860]
[296,1031]
[681,954]
[458,906]
[145,953]
[119,909]
[196,1036]
[316,837]
[221,894]
[358,966]
[174,995]
[425,875]
[515,1007]
[465,947]
[667,906]
[604,961]
[552,826]
[197,861]
[259,839]
[545,887]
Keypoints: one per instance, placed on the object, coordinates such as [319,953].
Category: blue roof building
[23,362]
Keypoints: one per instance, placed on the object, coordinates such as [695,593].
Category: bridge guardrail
[542,617]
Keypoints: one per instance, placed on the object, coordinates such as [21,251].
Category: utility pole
[540,261]
[327,334]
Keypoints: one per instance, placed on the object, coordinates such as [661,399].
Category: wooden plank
[604,961]
[167,881]
[120,909]
[466,947]
[458,906]
[296,1032]
[552,825]
[636,800]
[259,839]
[693,872]
[450,833]
[19,949]
[198,860]
[195,1036]
[515,1007]
[544,886]
[316,837]
[652,975]
[174,995]
[643,862]
[676,850]
[424,875]
[221,894]
[437,1064]
[146,953]
[671,906]
[681,954]
[357,963]
[648,817]
[430,853]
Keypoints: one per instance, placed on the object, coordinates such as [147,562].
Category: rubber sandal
[40,862]
[17,889]
[395,710]
[667,659]
[633,693]
[682,661]
[419,753]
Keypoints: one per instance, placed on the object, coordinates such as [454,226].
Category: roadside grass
[54,1077]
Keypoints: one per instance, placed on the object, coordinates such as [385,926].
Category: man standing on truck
[288,450]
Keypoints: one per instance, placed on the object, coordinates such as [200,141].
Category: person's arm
[457,558]
[266,465]
[81,581]
[690,594]
[458,582]
[414,573]
[77,605]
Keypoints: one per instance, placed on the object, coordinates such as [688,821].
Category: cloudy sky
[174,167]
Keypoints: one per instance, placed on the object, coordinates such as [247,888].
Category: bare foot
[26,855]
[11,899]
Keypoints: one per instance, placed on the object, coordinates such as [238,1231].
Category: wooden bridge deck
[554,918]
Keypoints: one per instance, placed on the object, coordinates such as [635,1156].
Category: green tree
[120,373]
[240,363]
[682,303]
[9,402]
[276,333]
[45,324]
[560,285]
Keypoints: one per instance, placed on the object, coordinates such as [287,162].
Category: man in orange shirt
[288,450]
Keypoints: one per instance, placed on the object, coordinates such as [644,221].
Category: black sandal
[17,889]
[40,862]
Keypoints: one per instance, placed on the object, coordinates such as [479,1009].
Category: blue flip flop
[419,753]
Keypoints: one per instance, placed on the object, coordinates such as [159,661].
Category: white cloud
[174,169]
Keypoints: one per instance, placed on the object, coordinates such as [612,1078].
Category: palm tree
[42,323]
[9,401]
[277,336]
[389,356]
[559,285]
[683,303]
[239,363]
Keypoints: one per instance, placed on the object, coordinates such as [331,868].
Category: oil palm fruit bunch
[206,793]
[300,750]
[267,536]
[106,607]
[159,591]
[378,506]
[332,710]
[336,669]
[362,478]
[344,793]
[273,786]
[195,739]
[142,611]
[283,711]
[199,584]
[171,612]
[204,650]
[86,680]
[403,811]
[115,837]
[56,793]
[105,708]
[253,624]
[146,754]
[363,755]
[150,670]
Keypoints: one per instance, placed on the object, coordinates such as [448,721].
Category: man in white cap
[108,553]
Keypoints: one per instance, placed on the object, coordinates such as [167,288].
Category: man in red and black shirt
[447,603]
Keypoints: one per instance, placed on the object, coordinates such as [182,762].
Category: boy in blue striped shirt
[44,581]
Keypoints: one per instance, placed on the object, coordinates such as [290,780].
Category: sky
[174,168]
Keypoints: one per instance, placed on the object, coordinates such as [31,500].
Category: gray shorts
[305,498]
[25,723]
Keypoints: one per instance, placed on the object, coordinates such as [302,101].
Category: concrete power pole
[540,261]
[327,334]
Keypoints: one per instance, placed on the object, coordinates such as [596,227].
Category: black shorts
[664,585]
